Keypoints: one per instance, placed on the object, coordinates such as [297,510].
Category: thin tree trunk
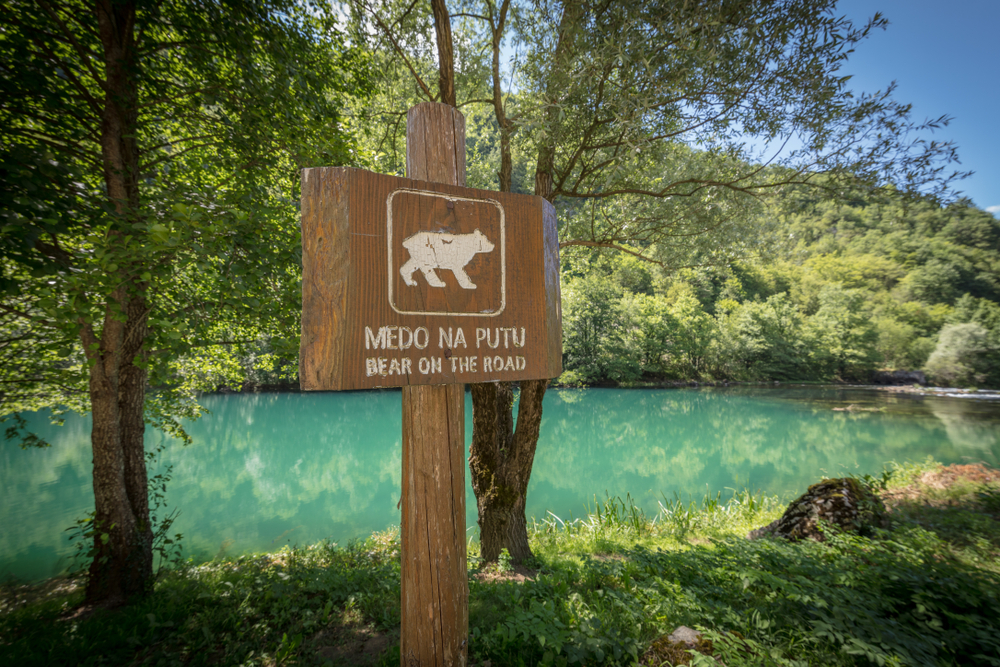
[506,126]
[492,435]
[122,565]
[446,53]
[501,461]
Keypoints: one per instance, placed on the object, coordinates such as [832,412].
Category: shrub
[962,356]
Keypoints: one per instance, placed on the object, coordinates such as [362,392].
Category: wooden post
[435,588]
[425,284]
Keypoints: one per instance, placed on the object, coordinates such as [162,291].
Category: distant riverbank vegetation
[846,289]
[851,287]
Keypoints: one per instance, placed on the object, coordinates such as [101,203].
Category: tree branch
[399,50]
[84,55]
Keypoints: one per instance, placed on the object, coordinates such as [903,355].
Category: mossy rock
[675,649]
[843,503]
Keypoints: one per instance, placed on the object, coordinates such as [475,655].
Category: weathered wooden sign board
[407,282]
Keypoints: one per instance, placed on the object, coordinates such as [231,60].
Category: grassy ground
[606,589]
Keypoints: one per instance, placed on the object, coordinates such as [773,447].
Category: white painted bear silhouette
[438,250]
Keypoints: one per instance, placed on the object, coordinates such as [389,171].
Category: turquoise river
[267,470]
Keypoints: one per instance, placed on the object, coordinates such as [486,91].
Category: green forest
[848,287]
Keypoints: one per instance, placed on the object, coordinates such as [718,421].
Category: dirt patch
[946,476]
[518,574]
[932,488]
[675,649]
[350,642]
[14,596]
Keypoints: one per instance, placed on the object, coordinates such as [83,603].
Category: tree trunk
[500,461]
[131,405]
[122,565]
[113,518]
[506,126]
[446,53]
[492,436]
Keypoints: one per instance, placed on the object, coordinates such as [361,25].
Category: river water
[267,470]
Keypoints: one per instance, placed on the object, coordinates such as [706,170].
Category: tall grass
[616,522]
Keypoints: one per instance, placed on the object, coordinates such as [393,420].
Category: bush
[963,356]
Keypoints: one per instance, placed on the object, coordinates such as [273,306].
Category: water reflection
[273,469]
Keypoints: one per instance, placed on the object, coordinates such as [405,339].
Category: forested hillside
[854,286]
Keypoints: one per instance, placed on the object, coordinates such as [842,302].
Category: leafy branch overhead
[150,154]
[212,228]
[662,120]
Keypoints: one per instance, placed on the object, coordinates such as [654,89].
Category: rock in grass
[674,648]
[844,503]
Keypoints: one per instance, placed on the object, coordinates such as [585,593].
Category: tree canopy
[149,153]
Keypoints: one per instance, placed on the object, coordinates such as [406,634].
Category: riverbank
[605,589]
[908,388]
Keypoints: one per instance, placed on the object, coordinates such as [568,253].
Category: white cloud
[995,210]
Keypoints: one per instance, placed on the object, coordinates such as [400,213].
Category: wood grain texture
[435,144]
[325,271]
[553,296]
[525,256]
[434,584]
[434,581]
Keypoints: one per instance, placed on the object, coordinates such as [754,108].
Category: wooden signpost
[425,284]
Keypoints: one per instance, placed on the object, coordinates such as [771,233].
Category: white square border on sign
[503,252]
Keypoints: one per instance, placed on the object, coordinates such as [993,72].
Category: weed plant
[602,590]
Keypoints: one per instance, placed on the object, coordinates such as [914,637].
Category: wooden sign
[407,282]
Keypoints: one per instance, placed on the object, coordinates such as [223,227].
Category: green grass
[604,589]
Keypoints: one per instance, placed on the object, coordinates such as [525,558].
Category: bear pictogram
[438,250]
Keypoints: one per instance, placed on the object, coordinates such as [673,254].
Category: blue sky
[945,59]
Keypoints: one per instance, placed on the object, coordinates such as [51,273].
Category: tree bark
[492,436]
[131,402]
[500,460]
[122,565]
[446,53]
[506,126]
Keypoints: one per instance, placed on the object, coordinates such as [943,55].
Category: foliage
[593,332]
[963,356]
[839,302]
[149,153]
[643,148]
[214,233]
[606,588]
[250,610]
